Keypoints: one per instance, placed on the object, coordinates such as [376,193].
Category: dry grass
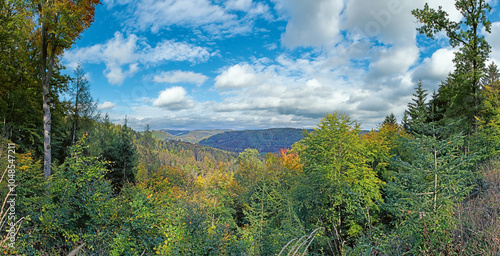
[302,242]
[478,229]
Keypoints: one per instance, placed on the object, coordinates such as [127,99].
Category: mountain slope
[194,136]
[269,140]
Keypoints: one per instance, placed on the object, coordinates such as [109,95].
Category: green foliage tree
[340,191]
[430,179]
[491,76]
[390,119]
[76,208]
[19,85]
[470,59]
[114,143]
[147,146]
[488,135]
[83,108]
[269,203]
[417,110]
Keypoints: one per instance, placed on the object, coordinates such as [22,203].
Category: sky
[251,64]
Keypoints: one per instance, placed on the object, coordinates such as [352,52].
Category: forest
[74,182]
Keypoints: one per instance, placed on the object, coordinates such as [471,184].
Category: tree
[430,178]
[60,24]
[148,152]
[19,85]
[488,135]
[83,107]
[340,191]
[417,110]
[492,76]
[390,119]
[474,50]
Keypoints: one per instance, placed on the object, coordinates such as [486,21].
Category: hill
[194,136]
[269,140]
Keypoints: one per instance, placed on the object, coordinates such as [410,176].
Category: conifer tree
[431,177]
[390,119]
[491,76]
[83,108]
[417,110]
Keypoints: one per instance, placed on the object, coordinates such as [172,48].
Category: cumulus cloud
[178,76]
[310,24]
[122,55]
[436,67]
[237,76]
[174,98]
[493,38]
[393,61]
[106,105]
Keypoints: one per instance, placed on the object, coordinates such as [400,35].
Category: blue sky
[248,64]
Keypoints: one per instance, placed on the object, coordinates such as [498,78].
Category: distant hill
[269,140]
[194,136]
[186,151]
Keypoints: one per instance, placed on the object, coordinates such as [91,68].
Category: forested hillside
[265,141]
[75,181]
[187,136]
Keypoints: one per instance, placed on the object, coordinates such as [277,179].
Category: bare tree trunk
[47,156]
[46,74]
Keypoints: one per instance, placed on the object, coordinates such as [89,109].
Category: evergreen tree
[432,176]
[491,76]
[390,119]
[417,110]
[148,152]
[83,109]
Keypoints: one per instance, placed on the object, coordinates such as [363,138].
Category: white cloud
[310,24]
[156,14]
[216,18]
[241,5]
[393,61]
[180,77]
[436,67]
[174,98]
[106,105]
[121,51]
[116,75]
[170,50]
[237,76]
[493,40]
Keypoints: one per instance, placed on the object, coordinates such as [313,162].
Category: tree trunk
[47,156]
[435,179]
[46,74]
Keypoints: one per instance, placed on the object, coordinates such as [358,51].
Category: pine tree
[432,176]
[83,108]
[491,77]
[417,110]
[390,119]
